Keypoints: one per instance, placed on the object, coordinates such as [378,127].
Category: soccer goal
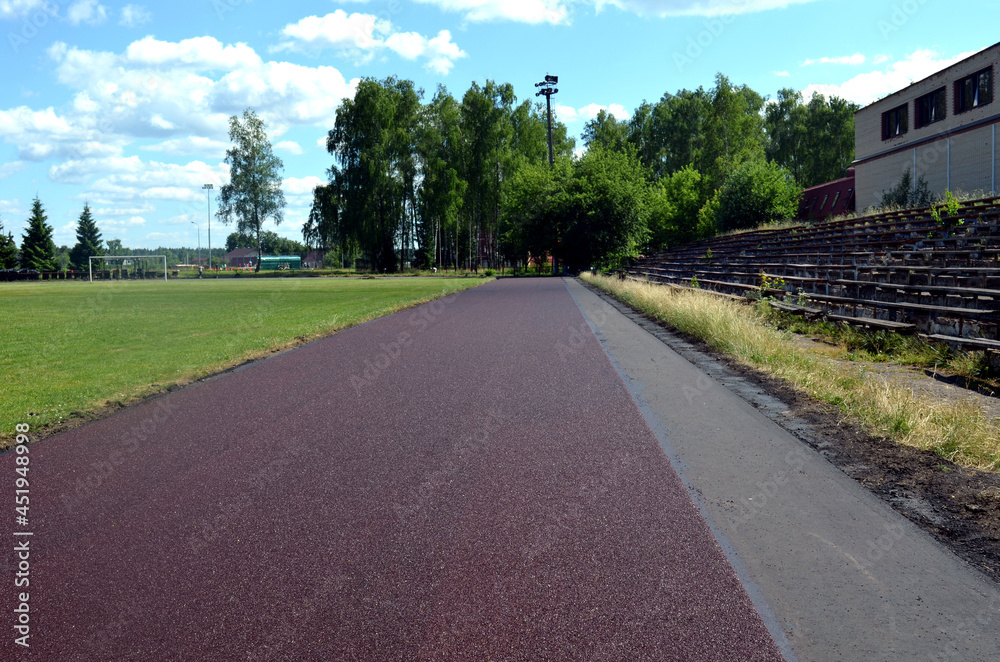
[128,264]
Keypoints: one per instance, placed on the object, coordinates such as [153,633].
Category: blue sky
[125,105]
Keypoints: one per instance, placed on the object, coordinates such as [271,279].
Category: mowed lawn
[70,347]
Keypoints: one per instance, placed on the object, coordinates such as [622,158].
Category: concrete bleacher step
[979,343]
[869,322]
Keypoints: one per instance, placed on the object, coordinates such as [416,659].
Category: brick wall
[881,163]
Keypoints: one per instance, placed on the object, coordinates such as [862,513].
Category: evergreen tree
[38,251]
[88,241]
[8,250]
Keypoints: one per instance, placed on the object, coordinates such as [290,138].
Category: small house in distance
[942,129]
[829,199]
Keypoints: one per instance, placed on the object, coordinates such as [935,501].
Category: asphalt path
[847,577]
[470,480]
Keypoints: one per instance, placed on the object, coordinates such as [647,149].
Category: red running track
[467,480]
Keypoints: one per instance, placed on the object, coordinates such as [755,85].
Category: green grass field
[70,347]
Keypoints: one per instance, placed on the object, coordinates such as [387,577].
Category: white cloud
[301,185]
[521,11]
[558,12]
[569,115]
[145,208]
[132,222]
[134,15]
[14,167]
[338,30]
[112,181]
[19,8]
[696,7]
[90,12]
[362,36]
[43,134]
[855,59]
[865,88]
[169,91]
[289,146]
[190,145]
[783,74]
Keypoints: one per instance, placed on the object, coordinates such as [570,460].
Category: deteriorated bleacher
[905,271]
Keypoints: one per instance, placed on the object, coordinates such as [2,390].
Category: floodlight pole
[548,89]
[209,187]
[199,241]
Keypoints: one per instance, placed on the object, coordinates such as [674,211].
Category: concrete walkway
[846,577]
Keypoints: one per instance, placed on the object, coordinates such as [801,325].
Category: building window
[931,108]
[974,91]
[833,205]
[894,122]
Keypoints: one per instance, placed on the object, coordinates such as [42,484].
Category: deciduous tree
[253,195]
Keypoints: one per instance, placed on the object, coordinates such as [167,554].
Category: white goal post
[90,261]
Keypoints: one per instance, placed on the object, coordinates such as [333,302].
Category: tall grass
[961,432]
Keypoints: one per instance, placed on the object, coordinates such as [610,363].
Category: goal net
[127,267]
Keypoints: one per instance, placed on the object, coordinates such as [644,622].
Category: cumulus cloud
[572,115]
[134,15]
[363,36]
[8,169]
[559,12]
[179,94]
[868,87]
[190,145]
[521,11]
[19,8]
[301,185]
[114,180]
[90,12]
[289,147]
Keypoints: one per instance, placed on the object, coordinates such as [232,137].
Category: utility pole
[548,89]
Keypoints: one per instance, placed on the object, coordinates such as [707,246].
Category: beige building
[943,128]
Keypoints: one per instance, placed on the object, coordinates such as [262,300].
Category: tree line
[39,252]
[466,182]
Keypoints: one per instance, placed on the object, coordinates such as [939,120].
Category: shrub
[755,193]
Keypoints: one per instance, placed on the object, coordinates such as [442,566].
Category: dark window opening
[823,204]
[931,107]
[895,122]
[833,205]
[974,91]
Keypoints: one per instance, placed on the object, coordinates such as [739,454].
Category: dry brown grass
[961,432]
